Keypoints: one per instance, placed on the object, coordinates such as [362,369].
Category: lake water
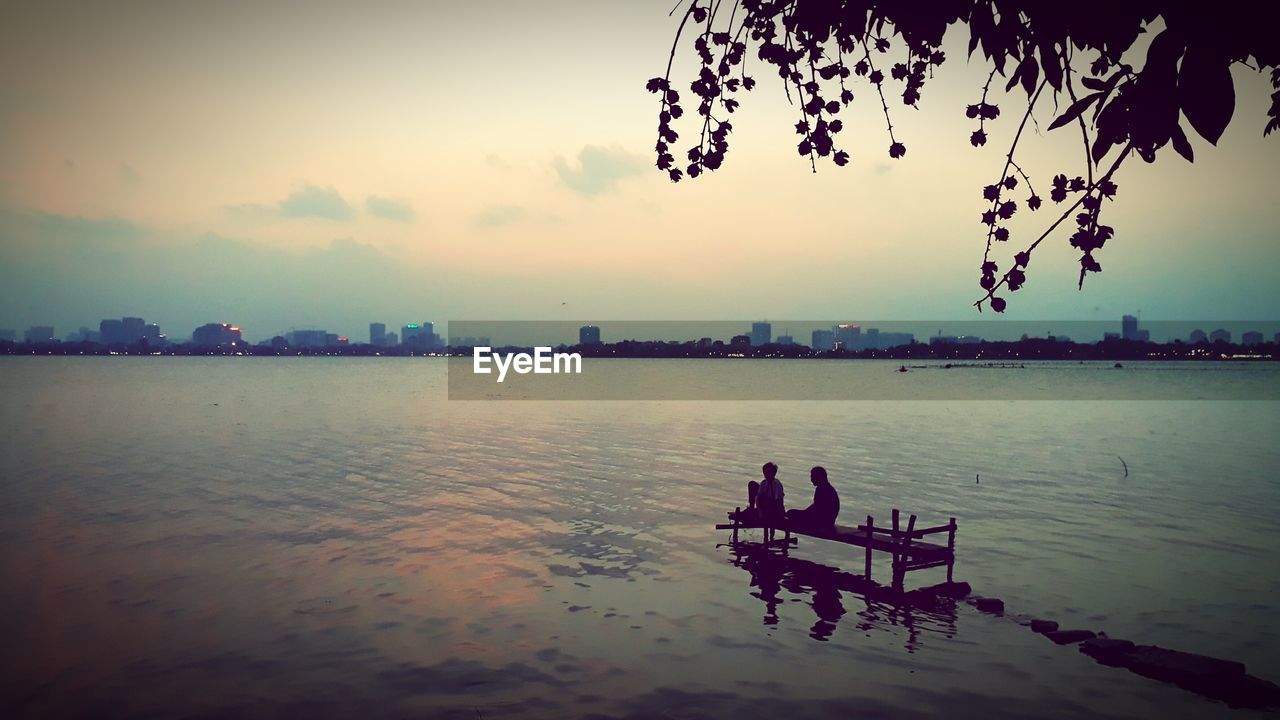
[327,537]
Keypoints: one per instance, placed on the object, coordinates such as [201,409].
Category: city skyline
[819,335]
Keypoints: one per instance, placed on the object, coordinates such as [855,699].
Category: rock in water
[1066,637]
[990,605]
[1043,626]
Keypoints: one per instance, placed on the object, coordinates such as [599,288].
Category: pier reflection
[833,593]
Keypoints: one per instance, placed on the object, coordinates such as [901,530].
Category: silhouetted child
[769,500]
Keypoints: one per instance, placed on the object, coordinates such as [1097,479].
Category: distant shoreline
[983,354]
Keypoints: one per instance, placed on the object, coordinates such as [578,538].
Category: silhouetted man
[821,515]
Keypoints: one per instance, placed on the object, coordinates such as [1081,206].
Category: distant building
[129,331]
[377,334]
[421,335]
[1129,329]
[1197,336]
[1111,336]
[84,334]
[823,340]
[392,339]
[1220,335]
[9,335]
[38,334]
[215,335]
[111,332]
[310,338]
[740,342]
[848,336]
[761,334]
[1253,337]
[1275,339]
[704,343]
[786,340]
[134,329]
[589,335]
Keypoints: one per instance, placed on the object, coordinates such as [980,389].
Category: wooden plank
[926,564]
[860,537]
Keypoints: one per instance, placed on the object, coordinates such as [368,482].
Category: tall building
[38,334]
[740,342]
[9,335]
[392,339]
[824,340]
[849,336]
[761,334]
[111,332]
[786,340]
[133,328]
[1220,335]
[1275,339]
[1253,337]
[377,334]
[589,335]
[129,331]
[1129,329]
[1197,336]
[421,335]
[215,335]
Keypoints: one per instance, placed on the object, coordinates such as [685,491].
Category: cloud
[308,202]
[599,169]
[499,215]
[389,209]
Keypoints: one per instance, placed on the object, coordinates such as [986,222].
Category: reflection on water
[329,537]
[826,590]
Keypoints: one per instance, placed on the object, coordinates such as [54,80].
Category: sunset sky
[281,164]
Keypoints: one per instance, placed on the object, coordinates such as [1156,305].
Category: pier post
[900,557]
[951,548]
[871,523]
[735,524]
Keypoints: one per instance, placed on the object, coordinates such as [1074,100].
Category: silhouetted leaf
[1181,144]
[1205,92]
[1077,108]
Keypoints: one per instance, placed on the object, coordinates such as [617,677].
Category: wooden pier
[909,550]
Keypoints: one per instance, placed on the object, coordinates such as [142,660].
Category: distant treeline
[1029,349]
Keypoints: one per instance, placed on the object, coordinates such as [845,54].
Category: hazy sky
[309,164]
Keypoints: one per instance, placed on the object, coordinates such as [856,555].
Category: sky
[280,164]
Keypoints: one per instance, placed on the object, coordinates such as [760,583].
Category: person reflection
[771,573]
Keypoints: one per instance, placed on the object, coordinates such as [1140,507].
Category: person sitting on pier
[769,501]
[764,502]
[820,516]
